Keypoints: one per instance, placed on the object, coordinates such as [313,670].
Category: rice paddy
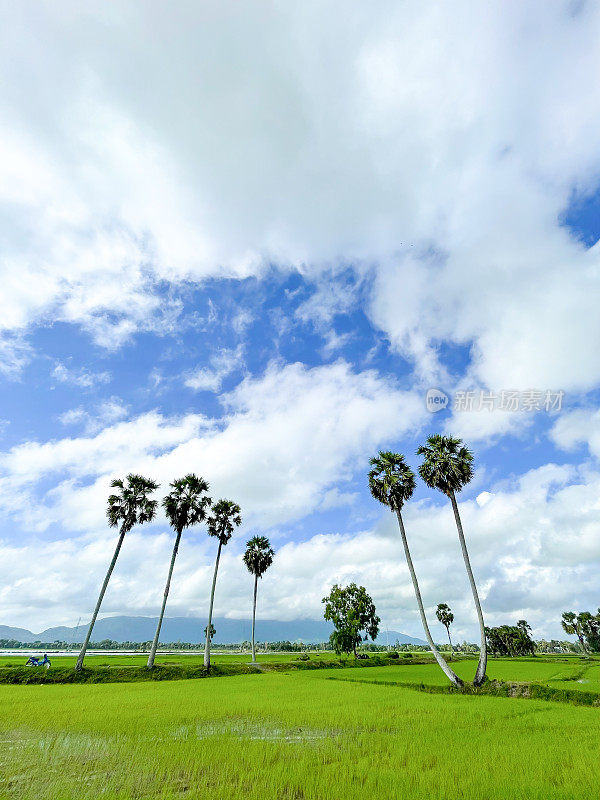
[299,735]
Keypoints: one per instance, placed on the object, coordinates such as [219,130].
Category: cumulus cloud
[105,413]
[222,364]
[581,427]
[432,148]
[284,442]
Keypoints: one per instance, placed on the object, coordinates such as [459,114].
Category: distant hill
[189,629]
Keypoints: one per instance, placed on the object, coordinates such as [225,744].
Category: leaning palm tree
[225,515]
[447,466]
[129,507]
[446,617]
[258,558]
[185,505]
[392,482]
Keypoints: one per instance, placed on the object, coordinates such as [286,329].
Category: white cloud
[222,364]
[104,413]
[285,441]
[80,377]
[577,428]
[435,146]
[15,353]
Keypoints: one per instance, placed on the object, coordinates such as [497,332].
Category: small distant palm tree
[225,516]
[185,505]
[446,617]
[447,466]
[258,558]
[392,482]
[129,507]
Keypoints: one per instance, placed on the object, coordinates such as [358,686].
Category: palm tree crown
[131,506]
[187,503]
[391,480]
[444,615]
[447,465]
[225,515]
[258,556]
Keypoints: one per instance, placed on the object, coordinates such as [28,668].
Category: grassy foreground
[293,736]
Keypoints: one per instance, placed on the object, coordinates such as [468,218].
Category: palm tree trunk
[450,640]
[79,665]
[210,610]
[482,665]
[448,672]
[152,655]
[254,618]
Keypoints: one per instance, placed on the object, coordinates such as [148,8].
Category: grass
[575,674]
[125,660]
[291,736]
[192,668]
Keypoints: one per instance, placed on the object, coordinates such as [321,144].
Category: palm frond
[447,463]
[259,555]
[391,480]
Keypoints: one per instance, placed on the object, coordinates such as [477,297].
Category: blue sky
[257,270]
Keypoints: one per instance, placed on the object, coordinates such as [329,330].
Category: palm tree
[185,505]
[447,466]
[225,515]
[392,482]
[258,558]
[129,507]
[446,617]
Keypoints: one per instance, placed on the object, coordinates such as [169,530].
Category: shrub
[393,655]
[407,655]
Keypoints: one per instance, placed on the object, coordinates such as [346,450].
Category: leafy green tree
[591,629]
[225,516]
[579,625]
[130,506]
[257,558]
[447,466]
[185,505]
[352,612]
[446,617]
[510,640]
[392,483]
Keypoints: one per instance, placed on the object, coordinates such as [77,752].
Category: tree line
[447,466]
[187,504]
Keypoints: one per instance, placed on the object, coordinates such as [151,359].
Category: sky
[250,240]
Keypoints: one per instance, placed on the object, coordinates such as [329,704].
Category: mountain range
[189,629]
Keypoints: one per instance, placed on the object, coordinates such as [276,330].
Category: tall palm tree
[129,507]
[447,466]
[446,617]
[258,558]
[392,482]
[185,505]
[225,516]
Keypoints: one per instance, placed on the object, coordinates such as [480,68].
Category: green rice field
[300,735]
[140,660]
